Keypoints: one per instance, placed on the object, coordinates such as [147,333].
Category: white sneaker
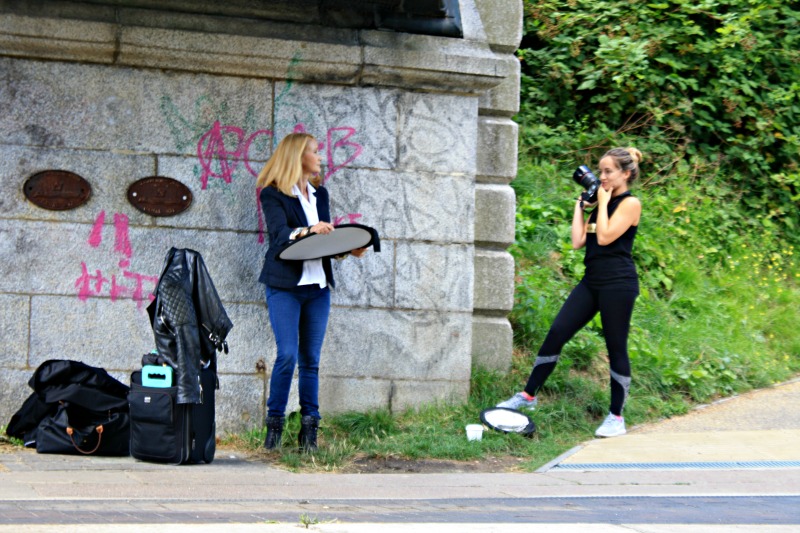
[612,426]
[518,401]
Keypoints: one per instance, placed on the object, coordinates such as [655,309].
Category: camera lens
[586,179]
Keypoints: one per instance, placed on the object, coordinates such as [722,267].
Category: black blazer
[283,214]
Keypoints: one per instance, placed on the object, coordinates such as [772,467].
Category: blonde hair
[284,168]
[627,159]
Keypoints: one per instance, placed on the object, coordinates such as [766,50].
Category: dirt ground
[399,465]
[367,465]
[5,445]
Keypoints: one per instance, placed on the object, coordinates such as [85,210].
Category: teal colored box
[157,376]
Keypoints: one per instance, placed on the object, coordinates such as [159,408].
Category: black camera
[584,177]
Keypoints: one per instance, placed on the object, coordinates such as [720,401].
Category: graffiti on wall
[227,151]
[222,149]
[121,282]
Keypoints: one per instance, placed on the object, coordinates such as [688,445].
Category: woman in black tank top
[609,286]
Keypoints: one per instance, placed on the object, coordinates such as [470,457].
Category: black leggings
[583,303]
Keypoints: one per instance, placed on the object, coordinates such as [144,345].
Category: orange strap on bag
[99,430]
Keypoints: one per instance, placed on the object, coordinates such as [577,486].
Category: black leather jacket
[189,322]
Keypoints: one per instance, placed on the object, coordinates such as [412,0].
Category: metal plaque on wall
[57,190]
[159,196]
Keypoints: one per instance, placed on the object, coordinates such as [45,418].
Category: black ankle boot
[307,438]
[274,432]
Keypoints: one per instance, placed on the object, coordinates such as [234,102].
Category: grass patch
[717,316]
[433,431]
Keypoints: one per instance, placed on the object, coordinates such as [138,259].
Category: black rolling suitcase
[165,431]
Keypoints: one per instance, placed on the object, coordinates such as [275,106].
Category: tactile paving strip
[726,465]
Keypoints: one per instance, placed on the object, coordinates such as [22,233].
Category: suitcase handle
[99,430]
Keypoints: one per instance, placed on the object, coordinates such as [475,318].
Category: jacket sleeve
[276,217]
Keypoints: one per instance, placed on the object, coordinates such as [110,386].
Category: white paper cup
[474,431]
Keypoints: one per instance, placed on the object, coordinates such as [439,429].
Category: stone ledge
[376,58]
[432,63]
[239,55]
[69,40]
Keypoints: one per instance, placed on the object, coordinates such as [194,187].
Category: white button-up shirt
[312,268]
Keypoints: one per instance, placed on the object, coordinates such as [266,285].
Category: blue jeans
[299,317]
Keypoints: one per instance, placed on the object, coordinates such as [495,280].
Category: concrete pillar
[495,205]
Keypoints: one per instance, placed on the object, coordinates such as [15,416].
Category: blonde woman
[295,204]
[609,286]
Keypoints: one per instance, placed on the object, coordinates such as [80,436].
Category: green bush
[711,81]
[708,91]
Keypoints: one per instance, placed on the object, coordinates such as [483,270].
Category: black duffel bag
[74,408]
[76,430]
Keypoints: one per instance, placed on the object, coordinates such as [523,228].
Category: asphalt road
[730,466]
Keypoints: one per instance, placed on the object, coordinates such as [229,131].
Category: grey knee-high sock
[620,385]
[542,368]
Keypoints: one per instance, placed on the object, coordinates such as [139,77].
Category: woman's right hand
[322,228]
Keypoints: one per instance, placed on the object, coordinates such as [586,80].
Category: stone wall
[418,143]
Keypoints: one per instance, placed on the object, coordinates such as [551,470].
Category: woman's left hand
[358,252]
[603,196]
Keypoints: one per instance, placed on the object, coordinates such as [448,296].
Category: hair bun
[635,154]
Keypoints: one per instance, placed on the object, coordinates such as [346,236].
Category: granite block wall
[415,144]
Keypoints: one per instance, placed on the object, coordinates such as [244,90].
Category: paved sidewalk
[614,485]
[757,429]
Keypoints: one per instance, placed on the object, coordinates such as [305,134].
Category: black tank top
[610,266]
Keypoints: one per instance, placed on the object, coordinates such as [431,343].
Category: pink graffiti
[351,218]
[332,146]
[93,285]
[122,243]
[137,293]
[89,285]
[247,149]
[329,147]
[96,236]
[212,148]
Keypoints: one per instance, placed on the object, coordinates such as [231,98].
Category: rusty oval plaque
[57,190]
[159,196]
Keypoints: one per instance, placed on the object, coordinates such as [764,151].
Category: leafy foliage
[718,79]
[708,91]
[715,250]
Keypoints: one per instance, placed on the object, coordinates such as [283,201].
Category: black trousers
[615,308]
